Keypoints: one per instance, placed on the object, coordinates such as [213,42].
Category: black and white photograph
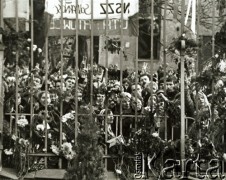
[112,89]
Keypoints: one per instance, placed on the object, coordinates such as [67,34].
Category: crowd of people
[54,95]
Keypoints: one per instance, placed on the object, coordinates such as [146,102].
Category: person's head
[51,84]
[23,80]
[44,98]
[137,90]
[202,100]
[54,97]
[136,103]
[113,100]
[110,117]
[152,85]
[161,84]
[126,82]
[170,84]
[144,80]
[58,85]
[219,84]
[11,80]
[100,99]
[126,99]
[69,82]
[152,102]
[37,82]
[83,73]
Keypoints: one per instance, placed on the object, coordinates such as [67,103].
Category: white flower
[224,157]
[64,137]
[70,156]
[23,142]
[34,47]
[28,40]
[222,66]
[155,134]
[22,122]
[39,50]
[66,147]
[28,48]
[64,119]
[14,137]
[118,171]
[191,149]
[147,109]
[49,135]
[199,143]
[67,116]
[40,127]
[8,151]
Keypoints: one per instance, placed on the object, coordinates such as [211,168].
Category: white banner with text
[100,9]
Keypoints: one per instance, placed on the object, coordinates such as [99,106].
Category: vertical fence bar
[152,61]
[213,55]
[164,62]
[76,74]
[1,86]
[136,79]
[116,131]
[91,64]
[17,69]
[1,20]
[106,78]
[32,65]
[182,70]
[121,62]
[197,63]
[46,109]
[61,72]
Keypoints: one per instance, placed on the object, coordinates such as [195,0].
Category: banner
[9,8]
[115,7]
[129,27]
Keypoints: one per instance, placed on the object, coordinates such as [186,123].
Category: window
[144,40]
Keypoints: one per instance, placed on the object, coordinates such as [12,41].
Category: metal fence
[31,112]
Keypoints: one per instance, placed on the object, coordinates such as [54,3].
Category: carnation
[55,149]
[70,156]
[66,147]
[155,134]
[224,157]
[8,151]
[22,122]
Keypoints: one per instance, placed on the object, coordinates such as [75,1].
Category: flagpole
[182,70]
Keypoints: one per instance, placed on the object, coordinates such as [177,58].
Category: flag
[9,9]
[175,9]
[191,4]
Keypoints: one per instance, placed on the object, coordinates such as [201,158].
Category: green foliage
[88,163]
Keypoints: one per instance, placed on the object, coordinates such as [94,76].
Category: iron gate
[54,88]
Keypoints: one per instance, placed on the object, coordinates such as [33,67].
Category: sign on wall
[84,27]
[115,7]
